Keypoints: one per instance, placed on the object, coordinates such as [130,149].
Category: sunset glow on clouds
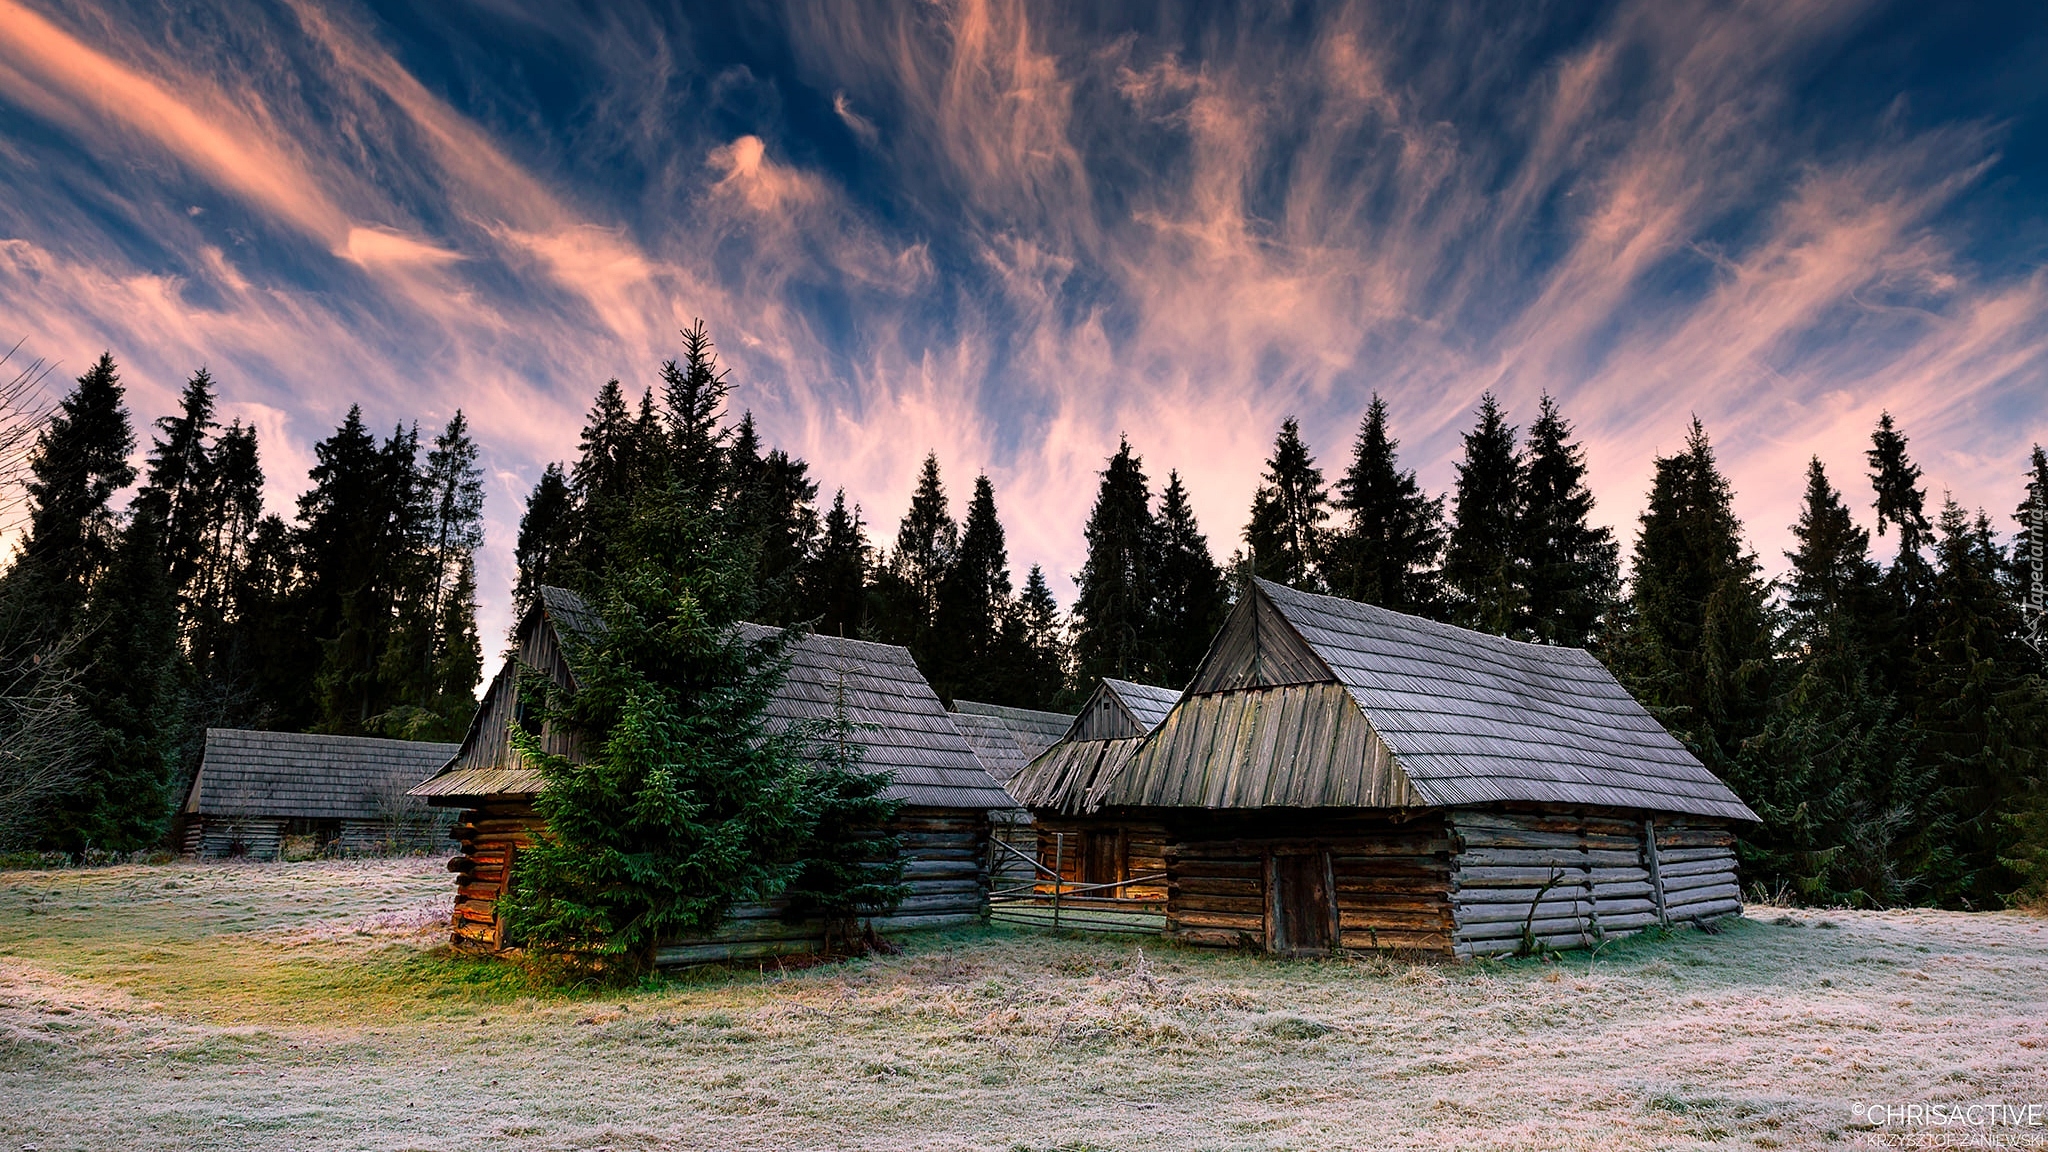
[1010,232]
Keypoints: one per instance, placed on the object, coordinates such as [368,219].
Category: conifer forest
[1876,697]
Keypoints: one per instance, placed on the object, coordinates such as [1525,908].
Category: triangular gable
[1104,717]
[1258,648]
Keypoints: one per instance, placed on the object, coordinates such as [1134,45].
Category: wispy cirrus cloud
[1010,233]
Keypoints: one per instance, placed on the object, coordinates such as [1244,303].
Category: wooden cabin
[946,795]
[1074,842]
[345,794]
[1339,775]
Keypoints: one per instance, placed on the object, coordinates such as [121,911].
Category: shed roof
[901,725]
[993,742]
[297,774]
[1466,718]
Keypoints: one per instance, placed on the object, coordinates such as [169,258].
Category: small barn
[946,794]
[1339,775]
[1075,842]
[347,793]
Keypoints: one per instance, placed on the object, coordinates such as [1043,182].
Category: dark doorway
[1298,904]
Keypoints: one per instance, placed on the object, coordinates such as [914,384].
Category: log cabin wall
[1695,861]
[944,867]
[1570,879]
[1306,882]
[222,837]
[489,837]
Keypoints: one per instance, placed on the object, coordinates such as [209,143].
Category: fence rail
[1047,900]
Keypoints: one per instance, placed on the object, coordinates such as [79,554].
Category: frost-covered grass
[311,1006]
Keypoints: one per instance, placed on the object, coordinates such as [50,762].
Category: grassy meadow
[313,1006]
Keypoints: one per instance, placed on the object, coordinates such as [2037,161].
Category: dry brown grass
[309,1006]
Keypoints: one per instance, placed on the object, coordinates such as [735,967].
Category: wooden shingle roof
[903,727]
[296,774]
[1458,717]
[900,723]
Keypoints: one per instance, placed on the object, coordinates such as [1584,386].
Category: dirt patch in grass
[254,1006]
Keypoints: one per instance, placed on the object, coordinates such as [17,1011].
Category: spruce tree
[2026,852]
[1483,572]
[776,513]
[689,801]
[219,633]
[603,485]
[964,653]
[80,460]
[836,579]
[1115,631]
[1039,670]
[1191,598]
[693,399]
[1571,569]
[546,538]
[177,487]
[908,588]
[1696,644]
[1286,531]
[1901,506]
[1388,549]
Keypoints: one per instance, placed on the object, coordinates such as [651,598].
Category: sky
[1009,233]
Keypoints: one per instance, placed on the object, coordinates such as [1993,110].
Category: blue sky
[1009,233]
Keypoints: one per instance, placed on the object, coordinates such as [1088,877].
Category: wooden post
[1656,873]
[1059,874]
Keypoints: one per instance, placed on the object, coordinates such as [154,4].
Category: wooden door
[1104,863]
[1299,911]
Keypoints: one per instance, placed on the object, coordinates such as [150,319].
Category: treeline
[194,608]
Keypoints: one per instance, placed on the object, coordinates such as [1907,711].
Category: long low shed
[348,793]
[945,793]
[1339,775]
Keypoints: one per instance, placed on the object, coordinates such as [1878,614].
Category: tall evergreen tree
[603,484]
[1901,505]
[836,582]
[776,512]
[965,653]
[1387,551]
[177,487]
[1040,665]
[1571,568]
[908,589]
[1191,596]
[219,633]
[1286,531]
[1696,644]
[80,460]
[546,538]
[433,659]
[1114,610]
[1483,571]
[693,397]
